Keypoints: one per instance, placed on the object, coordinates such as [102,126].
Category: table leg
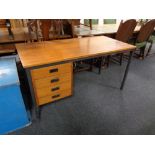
[126,70]
[36,107]
[90,23]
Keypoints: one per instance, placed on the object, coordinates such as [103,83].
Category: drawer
[54,97]
[45,91]
[51,70]
[52,80]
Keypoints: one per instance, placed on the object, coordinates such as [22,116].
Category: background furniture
[13,114]
[7,41]
[49,29]
[124,34]
[5,23]
[143,37]
[98,30]
[90,22]
[151,41]
[46,62]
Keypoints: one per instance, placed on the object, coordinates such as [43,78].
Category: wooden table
[8,39]
[49,64]
[18,35]
[105,29]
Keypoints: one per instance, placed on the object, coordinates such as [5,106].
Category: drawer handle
[56,88]
[55,96]
[53,70]
[55,80]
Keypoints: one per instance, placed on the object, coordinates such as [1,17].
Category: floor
[99,107]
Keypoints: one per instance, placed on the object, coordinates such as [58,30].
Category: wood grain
[46,82]
[51,90]
[43,84]
[58,51]
[45,71]
[49,99]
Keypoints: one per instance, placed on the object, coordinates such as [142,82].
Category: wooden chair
[49,29]
[143,37]
[151,41]
[32,25]
[45,28]
[90,22]
[124,34]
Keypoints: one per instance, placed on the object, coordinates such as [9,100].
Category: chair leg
[142,50]
[91,65]
[100,65]
[121,58]
[108,60]
[150,47]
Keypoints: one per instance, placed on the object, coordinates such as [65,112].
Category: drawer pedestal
[52,83]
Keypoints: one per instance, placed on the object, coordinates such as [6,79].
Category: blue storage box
[13,114]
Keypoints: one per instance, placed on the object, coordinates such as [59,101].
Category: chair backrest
[145,31]
[45,28]
[125,30]
[32,29]
[109,21]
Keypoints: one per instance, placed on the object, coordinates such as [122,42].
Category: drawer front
[45,91]
[52,81]
[51,70]
[55,96]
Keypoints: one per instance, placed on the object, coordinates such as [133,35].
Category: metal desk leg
[37,108]
[126,70]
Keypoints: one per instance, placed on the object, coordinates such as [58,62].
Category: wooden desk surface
[104,29]
[57,51]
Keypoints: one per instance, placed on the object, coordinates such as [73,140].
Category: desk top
[57,51]
[104,29]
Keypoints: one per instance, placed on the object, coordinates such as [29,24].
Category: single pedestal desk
[49,64]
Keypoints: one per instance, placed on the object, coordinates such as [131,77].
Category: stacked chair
[143,38]
[151,41]
[126,34]
[49,29]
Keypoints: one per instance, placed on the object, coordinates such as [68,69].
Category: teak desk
[49,64]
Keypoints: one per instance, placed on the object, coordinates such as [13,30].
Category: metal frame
[126,71]
[37,107]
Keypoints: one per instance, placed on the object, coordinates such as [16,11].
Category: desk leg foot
[100,65]
[38,112]
[91,65]
[126,71]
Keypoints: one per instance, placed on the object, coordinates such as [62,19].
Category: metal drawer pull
[55,80]
[53,70]
[56,88]
[55,96]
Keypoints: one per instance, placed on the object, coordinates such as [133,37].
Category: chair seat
[152,38]
[140,45]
